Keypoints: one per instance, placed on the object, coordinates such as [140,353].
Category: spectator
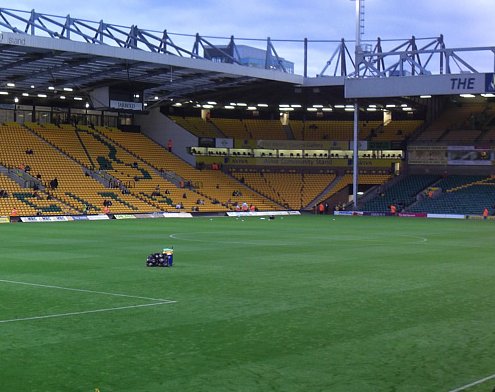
[156,192]
[170,144]
[54,183]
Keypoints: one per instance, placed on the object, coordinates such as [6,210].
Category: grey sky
[464,23]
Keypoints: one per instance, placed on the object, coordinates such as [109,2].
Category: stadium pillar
[355,160]
[305,57]
[358,59]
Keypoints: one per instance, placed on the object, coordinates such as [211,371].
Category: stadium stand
[310,130]
[401,193]
[214,185]
[198,126]
[459,195]
[453,118]
[75,190]
[293,190]
[396,130]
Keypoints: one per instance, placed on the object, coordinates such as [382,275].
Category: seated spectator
[54,183]
[156,192]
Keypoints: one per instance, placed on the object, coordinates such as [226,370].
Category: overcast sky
[464,23]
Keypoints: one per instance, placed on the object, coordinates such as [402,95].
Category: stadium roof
[44,58]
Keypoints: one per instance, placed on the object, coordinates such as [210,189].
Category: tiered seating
[297,128]
[257,181]
[265,129]
[75,189]
[347,179]
[65,138]
[339,184]
[233,128]
[139,178]
[197,126]
[461,195]
[294,190]
[311,130]
[331,130]
[27,201]
[314,184]
[461,135]
[402,194]
[397,130]
[453,118]
[204,181]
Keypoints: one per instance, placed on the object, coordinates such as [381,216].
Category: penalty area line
[46,286]
[481,381]
[85,312]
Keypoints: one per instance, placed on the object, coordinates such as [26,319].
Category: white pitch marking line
[85,291]
[464,387]
[84,312]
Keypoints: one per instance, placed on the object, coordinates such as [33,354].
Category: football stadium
[203,218]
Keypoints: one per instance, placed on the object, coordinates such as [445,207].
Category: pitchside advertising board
[476,83]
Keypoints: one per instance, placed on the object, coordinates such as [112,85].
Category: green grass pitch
[304,303]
